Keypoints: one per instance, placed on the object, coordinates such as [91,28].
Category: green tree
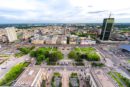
[46,53]
[93,56]
[78,58]
[32,47]
[33,53]
[40,58]
[55,56]
[72,55]
[12,74]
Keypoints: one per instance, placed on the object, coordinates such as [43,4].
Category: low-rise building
[54,39]
[98,78]
[73,39]
[4,38]
[2,31]
[48,40]
[37,41]
[63,40]
[87,42]
[27,35]
[31,77]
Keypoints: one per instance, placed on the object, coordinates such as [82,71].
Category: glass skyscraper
[106,28]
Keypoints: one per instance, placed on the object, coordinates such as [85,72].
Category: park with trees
[88,53]
[24,51]
[47,54]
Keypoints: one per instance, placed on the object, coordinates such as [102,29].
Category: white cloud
[63,10]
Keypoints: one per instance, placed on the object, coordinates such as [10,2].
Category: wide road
[10,63]
[55,45]
[61,68]
[116,61]
[65,78]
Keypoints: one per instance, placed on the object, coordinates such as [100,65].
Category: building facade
[106,28]
[31,77]
[11,34]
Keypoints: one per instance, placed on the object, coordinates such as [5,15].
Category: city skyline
[63,11]
[65,55]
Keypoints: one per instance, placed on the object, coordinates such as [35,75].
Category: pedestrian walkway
[65,78]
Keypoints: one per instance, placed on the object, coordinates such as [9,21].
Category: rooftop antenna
[110,15]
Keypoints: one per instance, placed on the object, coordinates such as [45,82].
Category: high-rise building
[106,28]
[11,34]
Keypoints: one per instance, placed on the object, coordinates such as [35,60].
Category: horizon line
[64,23]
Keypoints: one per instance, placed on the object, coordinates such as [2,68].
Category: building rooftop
[101,78]
[28,76]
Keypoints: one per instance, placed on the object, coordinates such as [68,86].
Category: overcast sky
[63,11]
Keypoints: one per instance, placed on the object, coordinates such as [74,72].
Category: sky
[63,11]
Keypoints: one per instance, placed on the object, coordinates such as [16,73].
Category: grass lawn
[74,75]
[20,54]
[84,50]
[128,61]
[77,49]
[57,74]
[88,53]
[13,73]
[116,79]
[4,55]
[124,80]
[48,49]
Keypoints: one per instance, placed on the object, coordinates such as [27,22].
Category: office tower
[11,34]
[106,28]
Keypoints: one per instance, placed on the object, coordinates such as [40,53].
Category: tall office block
[11,34]
[106,28]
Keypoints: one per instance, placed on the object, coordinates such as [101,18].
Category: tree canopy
[46,54]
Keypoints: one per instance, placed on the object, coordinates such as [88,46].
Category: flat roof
[27,77]
[102,77]
[126,47]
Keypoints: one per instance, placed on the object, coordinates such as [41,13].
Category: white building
[63,40]
[54,39]
[99,78]
[31,77]
[11,34]
[87,42]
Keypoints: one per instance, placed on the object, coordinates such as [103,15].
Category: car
[3,67]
